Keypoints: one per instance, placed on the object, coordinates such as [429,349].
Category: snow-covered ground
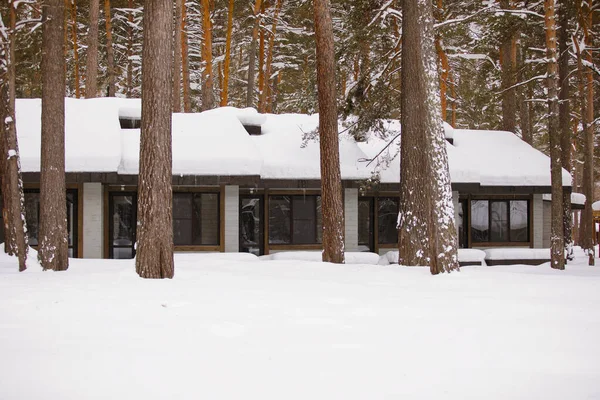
[243,328]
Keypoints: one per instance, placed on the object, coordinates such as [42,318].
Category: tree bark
[15,237]
[208,96]
[185,65]
[564,122]
[53,248]
[265,95]
[129,77]
[225,87]
[177,57]
[154,257]
[557,240]
[75,48]
[331,181]
[427,235]
[91,67]
[110,58]
[252,55]
[261,63]
[509,100]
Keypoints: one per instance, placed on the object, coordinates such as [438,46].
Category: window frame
[292,245]
[206,247]
[490,199]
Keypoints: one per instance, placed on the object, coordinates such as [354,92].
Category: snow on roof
[91,131]
[576,198]
[286,156]
[596,205]
[203,144]
[215,143]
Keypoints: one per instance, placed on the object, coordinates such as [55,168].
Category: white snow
[464,255]
[596,205]
[227,329]
[505,253]
[350,257]
[576,198]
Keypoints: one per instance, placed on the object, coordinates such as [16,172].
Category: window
[462,224]
[499,221]
[295,219]
[387,216]
[365,224]
[32,218]
[122,224]
[195,219]
[130,123]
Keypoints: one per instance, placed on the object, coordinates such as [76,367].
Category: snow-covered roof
[596,205]
[576,198]
[215,143]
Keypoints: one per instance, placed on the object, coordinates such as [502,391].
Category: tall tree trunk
[509,100]
[427,234]
[15,237]
[129,76]
[225,87]
[75,48]
[443,58]
[523,103]
[252,55]
[177,56]
[557,242]
[53,249]
[261,64]
[154,257]
[185,64]
[564,121]
[91,66]
[208,96]
[265,95]
[110,58]
[331,180]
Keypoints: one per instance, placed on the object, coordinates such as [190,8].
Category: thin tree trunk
[154,257]
[443,76]
[266,92]
[129,77]
[261,64]
[91,67]
[185,64]
[208,97]
[509,102]
[53,249]
[252,55]
[564,122]
[177,57]
[331,181]
[523,104]
[225,87]
[110,59]
[15,237]
[557,242]
[75,48]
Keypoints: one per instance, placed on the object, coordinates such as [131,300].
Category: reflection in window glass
[305,220]
[123,226]
[280,220]
[251,236]
[365,227]
[519,221]
[499,221]
[480,221]
[462,221]
[195,219]
[387,211]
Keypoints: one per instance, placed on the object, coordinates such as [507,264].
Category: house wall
[547,224]
[93,221]
[538,221]
[232,215]
[351,219]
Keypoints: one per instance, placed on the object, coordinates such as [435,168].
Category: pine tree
[91,69]
[331,180]
[53,248]
[154,257]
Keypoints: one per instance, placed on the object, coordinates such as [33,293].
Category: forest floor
[233,329]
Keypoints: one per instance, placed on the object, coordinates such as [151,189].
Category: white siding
[92,220]
[232,215]
[351,219]
[547,224]
[538,221]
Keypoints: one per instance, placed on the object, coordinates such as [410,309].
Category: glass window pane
[250,226]
[206,219]
[499,219]
[519,221]
[305,229]
[123,223]
[182,205]
[319,214]
[182,232]
[71,217]
[480,221]
[123,252]
[279,220]
[462,220]
[32,214]
[387,208]
[365,228]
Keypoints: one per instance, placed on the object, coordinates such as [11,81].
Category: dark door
[366,236]
[251,224]
[122,220]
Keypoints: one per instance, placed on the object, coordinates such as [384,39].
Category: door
[366,236]
[122,222]
[252,224]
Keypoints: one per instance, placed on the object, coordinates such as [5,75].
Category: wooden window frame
[204,247]
[291,245]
